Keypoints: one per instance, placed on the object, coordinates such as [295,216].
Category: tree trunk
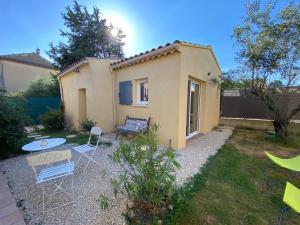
[281,128]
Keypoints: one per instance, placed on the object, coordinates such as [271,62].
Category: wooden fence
[243,104]
[40,105]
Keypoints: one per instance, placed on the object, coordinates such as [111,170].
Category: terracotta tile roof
[169,48]
[77,63]
[28,58]
[142,53]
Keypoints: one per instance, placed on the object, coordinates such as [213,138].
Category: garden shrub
[43,87]
[13,118]
[148,179]
[53,119]
[87,124]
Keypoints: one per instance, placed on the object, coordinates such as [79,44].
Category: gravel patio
[89,186]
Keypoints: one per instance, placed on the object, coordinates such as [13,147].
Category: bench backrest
[136,123]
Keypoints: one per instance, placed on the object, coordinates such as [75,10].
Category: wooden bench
[134,126]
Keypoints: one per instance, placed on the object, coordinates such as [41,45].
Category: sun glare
[114,32]
[120,22]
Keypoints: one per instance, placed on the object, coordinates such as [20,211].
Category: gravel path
[197,152]
[89,186]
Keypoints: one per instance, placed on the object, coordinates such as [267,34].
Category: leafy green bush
[87,124]
[13,118]
[53,119]
[43,87]
[148,179]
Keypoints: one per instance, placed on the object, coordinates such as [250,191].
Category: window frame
[138,90]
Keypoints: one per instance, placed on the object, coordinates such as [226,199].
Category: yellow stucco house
[18,70]
[171,84]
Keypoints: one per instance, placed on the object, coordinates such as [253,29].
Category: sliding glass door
[193,108]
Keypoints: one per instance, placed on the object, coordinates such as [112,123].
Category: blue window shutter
[125,92]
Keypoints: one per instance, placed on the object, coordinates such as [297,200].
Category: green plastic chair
[291,164]
[291,198]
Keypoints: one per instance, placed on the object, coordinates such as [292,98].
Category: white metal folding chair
[88,150]
[53,175]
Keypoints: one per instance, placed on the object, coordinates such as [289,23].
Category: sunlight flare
[121,22]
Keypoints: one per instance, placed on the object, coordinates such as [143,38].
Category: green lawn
[239,185]
[79,139]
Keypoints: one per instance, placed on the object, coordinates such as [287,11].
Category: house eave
[164,51]
[73,67]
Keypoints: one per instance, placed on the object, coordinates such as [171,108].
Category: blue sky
[26,25]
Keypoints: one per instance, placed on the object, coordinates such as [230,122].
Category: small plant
[20,204]
[148,179]
[87,124]
[104,202]
[54,119]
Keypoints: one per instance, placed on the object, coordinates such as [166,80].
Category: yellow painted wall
[163,77]
[196,63]
[97,80]
[17,76]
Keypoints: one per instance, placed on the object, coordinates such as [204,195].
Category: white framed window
[142,92]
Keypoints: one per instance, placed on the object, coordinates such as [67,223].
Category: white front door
[193,108]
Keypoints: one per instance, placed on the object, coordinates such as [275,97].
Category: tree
[13,118]
[231,80]
[269,50]
[43,87]
[88,35]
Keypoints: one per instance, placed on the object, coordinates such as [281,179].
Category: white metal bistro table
[43,144]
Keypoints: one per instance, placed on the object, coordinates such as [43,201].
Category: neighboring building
[171,84]
[18,70]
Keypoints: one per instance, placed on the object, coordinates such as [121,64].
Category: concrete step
[34,135]
[41,137]
[71,136]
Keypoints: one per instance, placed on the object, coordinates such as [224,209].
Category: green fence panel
[40,105]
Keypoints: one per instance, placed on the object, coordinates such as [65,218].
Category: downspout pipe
[113,97]
[61,93]
[61,90]
[2,86]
